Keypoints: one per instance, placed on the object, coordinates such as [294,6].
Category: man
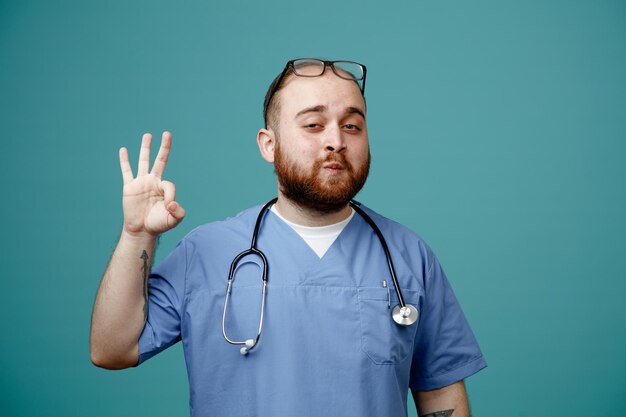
[320,340]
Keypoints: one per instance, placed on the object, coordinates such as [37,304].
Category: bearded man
[332,310]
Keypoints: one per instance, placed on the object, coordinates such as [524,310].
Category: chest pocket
[382,339]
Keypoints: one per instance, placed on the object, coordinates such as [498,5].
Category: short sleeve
[166,296]
[445,349]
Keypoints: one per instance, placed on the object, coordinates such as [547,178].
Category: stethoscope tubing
[250,344]
[379,234]
[401,313]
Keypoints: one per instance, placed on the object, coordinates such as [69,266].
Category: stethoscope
[403,314]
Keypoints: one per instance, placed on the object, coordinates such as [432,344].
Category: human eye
[313,126]
[351,127]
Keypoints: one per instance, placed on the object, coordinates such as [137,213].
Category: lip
[334,166]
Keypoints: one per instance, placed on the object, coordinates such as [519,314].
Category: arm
[450,401]
[121,306]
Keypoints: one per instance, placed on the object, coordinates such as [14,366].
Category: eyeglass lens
[314,68]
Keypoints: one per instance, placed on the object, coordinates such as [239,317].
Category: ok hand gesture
[149,202]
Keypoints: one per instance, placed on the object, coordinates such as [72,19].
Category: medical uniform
[329,345]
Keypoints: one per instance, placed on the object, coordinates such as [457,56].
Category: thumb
[176,210]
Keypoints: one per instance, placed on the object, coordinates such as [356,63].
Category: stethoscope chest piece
[405,316]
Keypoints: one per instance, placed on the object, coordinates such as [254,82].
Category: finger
[164,152]
[176,210]
[144,154]
[127,171]
[169,192]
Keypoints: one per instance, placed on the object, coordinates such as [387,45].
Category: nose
[334,140]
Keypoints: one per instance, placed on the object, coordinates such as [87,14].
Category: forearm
[121,304]
[450,401]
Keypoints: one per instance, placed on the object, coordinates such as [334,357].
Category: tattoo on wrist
[145,269]
[443,413]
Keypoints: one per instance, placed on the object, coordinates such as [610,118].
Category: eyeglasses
[312,67]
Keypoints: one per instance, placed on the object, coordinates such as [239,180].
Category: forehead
[328,90]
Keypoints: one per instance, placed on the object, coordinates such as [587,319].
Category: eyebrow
[322,109]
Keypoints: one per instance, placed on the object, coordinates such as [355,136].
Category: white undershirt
[318,238]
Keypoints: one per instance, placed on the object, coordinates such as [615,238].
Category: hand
[149,203]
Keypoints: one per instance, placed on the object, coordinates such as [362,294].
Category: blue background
[497,132]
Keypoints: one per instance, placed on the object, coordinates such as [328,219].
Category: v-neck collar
[301,247]
[318,238]
[292,261]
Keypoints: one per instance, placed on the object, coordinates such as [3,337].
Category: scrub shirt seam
[185,295]
[455,368]
[430,271]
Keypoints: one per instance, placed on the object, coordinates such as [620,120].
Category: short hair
[270,109]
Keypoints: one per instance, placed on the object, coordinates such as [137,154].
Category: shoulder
[402,240]
[240,224]
[394,228]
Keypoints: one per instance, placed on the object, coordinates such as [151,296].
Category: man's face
[321,156]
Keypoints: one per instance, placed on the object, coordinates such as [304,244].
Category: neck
[306,216]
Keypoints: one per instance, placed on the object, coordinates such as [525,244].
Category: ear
[266,141]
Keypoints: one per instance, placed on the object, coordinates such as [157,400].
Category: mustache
[335,157]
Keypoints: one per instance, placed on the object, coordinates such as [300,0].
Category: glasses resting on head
[313,67]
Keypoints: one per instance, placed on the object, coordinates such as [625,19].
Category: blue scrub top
[329,345]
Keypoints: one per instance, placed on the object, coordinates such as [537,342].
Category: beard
[314,190]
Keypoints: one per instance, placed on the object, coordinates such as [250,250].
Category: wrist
[138,237]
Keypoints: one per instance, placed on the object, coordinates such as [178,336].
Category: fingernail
[173,206]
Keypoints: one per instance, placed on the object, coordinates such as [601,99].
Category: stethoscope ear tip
[249,345]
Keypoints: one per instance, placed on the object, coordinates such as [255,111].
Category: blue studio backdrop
[497,132]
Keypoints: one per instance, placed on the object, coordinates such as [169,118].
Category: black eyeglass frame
[331,64]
